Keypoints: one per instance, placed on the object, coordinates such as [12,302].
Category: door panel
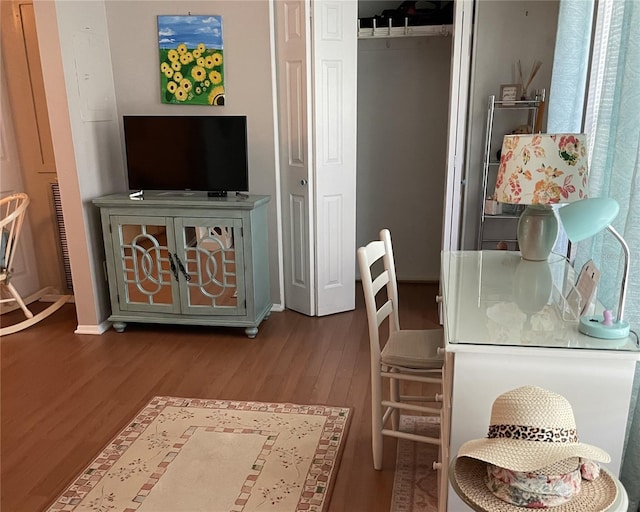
[293,71]
[335,111]
[211,253]
[143,247]
[28,106]
[458,101]
[23,277]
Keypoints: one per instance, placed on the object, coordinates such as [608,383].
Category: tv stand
[186,259]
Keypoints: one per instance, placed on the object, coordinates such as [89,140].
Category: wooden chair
[406,355]
[12,212]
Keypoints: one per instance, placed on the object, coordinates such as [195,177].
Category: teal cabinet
[185,258]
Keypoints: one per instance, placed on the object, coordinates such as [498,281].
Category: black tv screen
[201,153]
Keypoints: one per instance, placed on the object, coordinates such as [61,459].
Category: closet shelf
[405,31]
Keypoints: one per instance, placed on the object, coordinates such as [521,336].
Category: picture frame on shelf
[510,93]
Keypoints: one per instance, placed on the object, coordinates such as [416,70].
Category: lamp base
[537,232]
[593,326]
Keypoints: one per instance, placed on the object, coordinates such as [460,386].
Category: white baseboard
[278,308]
[93,329]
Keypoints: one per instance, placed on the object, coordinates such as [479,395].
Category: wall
[403,91]
[76,67]
[504,32]
[112,47]
[133,34]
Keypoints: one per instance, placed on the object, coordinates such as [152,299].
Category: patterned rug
[415,486]
[184,454]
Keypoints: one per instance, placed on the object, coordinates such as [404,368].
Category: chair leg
[376,419]
[394,392]
[19,300]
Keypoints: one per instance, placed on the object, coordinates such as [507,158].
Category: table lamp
[540,170]
[580,221]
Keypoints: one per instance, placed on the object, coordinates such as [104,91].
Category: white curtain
[612,123]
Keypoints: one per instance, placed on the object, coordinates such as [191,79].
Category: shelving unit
[403,31]
[504,223]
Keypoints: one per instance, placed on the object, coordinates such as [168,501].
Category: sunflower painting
[191,60]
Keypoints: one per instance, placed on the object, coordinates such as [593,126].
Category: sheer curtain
[612,123]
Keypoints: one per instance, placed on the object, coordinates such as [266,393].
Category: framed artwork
[191,60]
[510,92]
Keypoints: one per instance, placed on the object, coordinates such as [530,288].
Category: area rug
[415,485]
[185,454]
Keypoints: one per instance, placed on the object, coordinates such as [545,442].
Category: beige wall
[133,37]
[99,63]
[403,107]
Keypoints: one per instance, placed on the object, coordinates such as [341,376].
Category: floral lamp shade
[542,169]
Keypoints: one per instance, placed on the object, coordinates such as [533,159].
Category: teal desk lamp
[582,220]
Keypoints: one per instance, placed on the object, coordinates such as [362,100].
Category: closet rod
[405,31]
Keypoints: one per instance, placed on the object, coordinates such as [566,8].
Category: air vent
[62,234]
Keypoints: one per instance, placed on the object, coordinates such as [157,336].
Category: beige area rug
[415,486]
[191,455]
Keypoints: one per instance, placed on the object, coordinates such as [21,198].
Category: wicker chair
[12,212]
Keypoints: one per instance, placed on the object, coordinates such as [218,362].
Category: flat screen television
[199,153]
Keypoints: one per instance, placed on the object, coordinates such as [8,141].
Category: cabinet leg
[251,332]
[119,326]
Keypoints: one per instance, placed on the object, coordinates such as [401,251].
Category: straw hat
[470,474]
[530,428]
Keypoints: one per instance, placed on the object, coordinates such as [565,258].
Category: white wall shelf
[404,31]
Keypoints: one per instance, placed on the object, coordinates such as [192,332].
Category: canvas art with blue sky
[191,60]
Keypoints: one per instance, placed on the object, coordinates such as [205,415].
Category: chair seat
[414,349]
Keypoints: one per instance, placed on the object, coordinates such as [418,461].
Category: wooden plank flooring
[64,396]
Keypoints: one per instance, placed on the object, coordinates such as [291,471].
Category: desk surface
[497,299]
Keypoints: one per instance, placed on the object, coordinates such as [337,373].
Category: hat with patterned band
[475,482]
[530,428]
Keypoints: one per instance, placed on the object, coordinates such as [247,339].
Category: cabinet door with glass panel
[211,265]
[143,249]
[179,265]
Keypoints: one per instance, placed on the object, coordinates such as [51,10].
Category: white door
[25,275]
[293,49]
[318,155]
[458,101]
[334,43]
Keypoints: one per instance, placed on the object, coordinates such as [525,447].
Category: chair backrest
[374,279]
[12,210]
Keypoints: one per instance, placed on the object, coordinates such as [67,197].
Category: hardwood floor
[64,396]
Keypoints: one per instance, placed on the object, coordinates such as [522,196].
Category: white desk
[506,327]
